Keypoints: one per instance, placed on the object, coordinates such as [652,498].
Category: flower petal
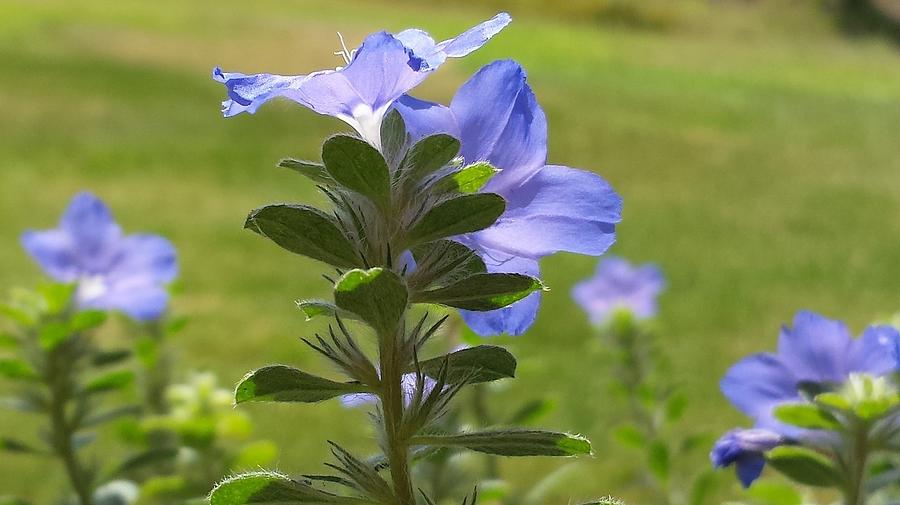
[558,209]
[749,467]
[246,92]
[424,118]
[619,285]
[516,318]
[873,353]
[816,348]
[757,383]
[501,122]
[146,256]
[93,231]
[54,252]
[139,297]
[474,37]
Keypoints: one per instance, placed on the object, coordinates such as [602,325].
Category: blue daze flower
[113,271]
[619,285]
[550,208]
[408,384]
[816,350]
[745,449]
[376,74]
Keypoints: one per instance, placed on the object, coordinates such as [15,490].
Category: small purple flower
[408,385]
[377,73]
[816,350]
[113,271]
[746,450]
[618,285]
[549,208]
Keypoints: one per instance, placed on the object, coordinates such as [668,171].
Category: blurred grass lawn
[756,150]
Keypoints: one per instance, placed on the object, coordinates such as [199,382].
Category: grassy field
[755,149]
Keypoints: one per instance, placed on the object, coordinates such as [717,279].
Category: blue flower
[113,271]
[746,450]
[381,70]
[550,208]
[408,384]
[816,350]
[618,285]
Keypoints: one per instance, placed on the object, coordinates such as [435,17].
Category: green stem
[58,375]
[158,375]
[857,462]
[396,443]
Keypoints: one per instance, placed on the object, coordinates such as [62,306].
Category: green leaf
[316,308]
[806,415]
[482,292]
[775,493]
[87,320]
[111,414]
[13,368]
[109,381]
[473,365]
[658,460]
[147,458]
[280,383]
[304,230]
[393,138]
[56,296]
[309,169]
[444,262]
[111,357]
[8,341]
[463,214]
[428,156]
[358,166]
[512,442]
[676,404]
[468,179]
[377,295]
[804,466]
[13,445]
[272,488]
[52,334]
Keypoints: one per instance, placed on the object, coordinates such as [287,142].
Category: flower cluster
[815,354]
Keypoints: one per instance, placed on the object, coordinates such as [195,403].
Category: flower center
[90,288]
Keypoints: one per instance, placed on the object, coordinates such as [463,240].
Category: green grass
[756,152]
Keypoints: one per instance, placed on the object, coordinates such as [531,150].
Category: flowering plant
[448,206]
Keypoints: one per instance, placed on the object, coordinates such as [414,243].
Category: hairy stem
[396,443]
[58,374]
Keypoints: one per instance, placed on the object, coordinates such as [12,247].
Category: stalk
[391,392]
[857,462]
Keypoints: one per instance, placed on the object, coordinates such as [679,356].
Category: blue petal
[501,122]
[816,348]
[756,384]
[246,93]
[558,209]
[475,37]
[516,318]
[139,297]
[749,467]
[147,256]
[423,46]
[874,352]
[617,285]
[93,231]
[424,118]
[54,252]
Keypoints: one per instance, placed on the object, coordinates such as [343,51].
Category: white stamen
[344,53]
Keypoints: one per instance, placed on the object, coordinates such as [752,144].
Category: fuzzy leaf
[117,379]
[271,488]
[316,308]
[358,166]
[468,179]
[463,214]
[805,415]
[377,295]
[13,445]
[393,137]
[304,230]
[13,368]
[482,292]
[512,442]
[804,466]
[280,383]
[473,365]
[444,262]
[428,156]
[52,334]
[309,169]
[87,320]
